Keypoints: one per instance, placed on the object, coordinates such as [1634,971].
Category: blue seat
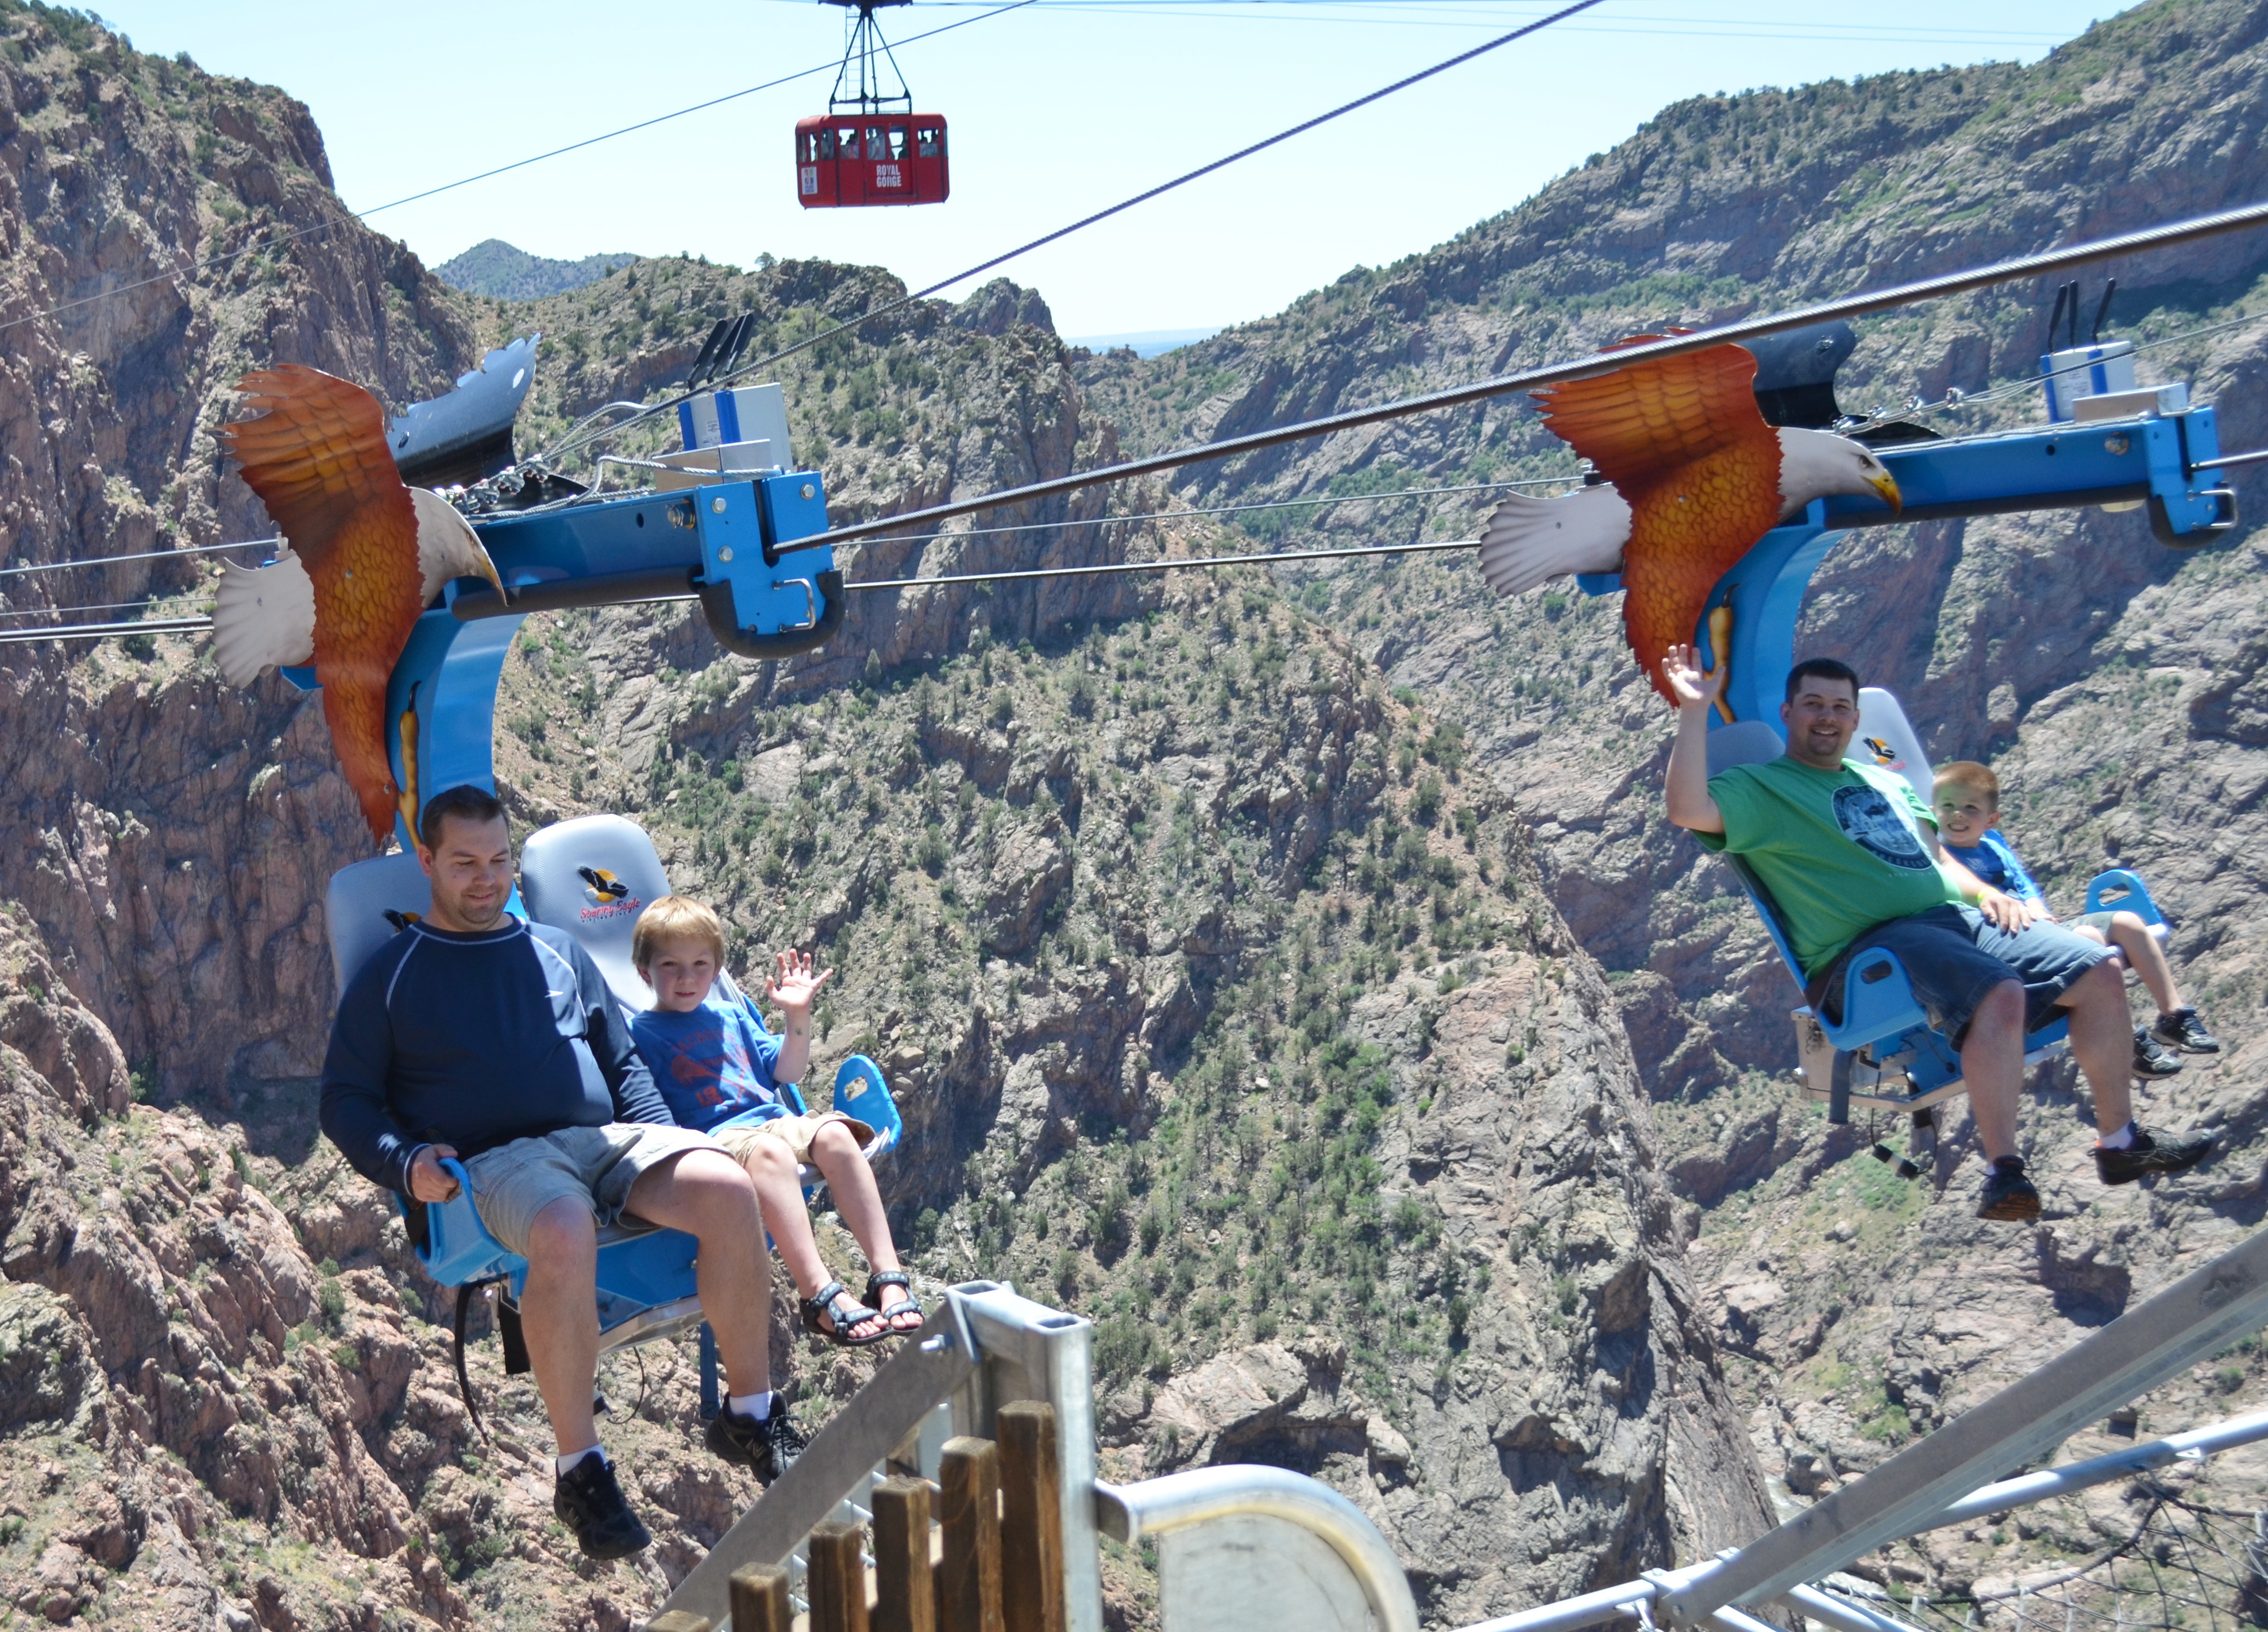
[590,877]
[1883,1054]
[646,1281]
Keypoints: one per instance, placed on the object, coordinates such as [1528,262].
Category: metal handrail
[1177,1501]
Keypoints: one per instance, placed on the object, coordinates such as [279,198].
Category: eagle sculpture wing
[318,458]
[1683,441]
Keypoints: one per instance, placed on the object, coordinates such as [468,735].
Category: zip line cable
[1164,564]
[1678,28]
[193,625]
[107,606]
[1037,526]
[259,244]
[1597,363]
[144,554]
[2163,237]
[562,449]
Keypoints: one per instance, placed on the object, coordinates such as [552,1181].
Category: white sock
[758,1405]
[2123,1139]
[561,1464]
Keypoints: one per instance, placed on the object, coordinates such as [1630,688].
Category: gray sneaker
[2153,1061]
[2183,1029]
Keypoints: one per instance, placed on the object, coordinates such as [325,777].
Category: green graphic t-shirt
[1841,851]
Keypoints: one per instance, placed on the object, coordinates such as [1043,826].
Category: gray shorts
[595,1166]
[1955,955]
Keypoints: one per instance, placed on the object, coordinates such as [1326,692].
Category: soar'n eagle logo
[607,895]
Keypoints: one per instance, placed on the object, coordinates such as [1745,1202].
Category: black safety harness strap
[515,1346]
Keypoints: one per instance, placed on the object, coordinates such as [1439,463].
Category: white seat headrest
[591,877]
[1745,742]
[356,905]
[1886,738]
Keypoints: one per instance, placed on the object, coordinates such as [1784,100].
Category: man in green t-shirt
[1851,858]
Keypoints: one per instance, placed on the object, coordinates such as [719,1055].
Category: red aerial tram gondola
[869,147]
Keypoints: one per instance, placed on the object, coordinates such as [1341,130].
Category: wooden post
[837,1579]
[968,1578]
[905,1596]
[1031,1519]
[759,1602]
[678,1621]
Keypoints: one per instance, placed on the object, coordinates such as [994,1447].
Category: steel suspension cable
[564,449]
[1557,373]
[1168,564]
[144,555]
[450,187]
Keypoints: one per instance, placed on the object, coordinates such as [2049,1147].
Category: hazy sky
[1056,109]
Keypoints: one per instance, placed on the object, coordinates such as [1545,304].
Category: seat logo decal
[605,895]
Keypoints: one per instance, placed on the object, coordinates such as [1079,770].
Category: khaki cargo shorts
[795,1132]
[595,1166]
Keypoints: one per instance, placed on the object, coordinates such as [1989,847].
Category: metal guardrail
[1257,1549]
[987,1348]
[1930,1484]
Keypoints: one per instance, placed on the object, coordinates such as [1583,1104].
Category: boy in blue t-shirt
[721,1071]
[1968,808]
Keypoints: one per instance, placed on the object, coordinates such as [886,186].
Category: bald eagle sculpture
[1694,477]
[363,556]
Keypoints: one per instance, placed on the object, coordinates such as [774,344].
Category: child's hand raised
[792,985]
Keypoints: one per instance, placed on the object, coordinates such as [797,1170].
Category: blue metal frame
[717,541]
[2155,461]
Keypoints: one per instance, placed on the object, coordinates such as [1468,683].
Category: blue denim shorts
[1955,955]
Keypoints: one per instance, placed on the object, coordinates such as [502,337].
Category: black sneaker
[589,1503]
[767,1446]
[2153,1060]
[2184,1030]
[2150,1155]
[2009,1197]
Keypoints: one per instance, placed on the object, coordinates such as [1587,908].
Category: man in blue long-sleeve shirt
[476,1036]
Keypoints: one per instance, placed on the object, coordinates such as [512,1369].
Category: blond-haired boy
[1968,808]
[722,1071]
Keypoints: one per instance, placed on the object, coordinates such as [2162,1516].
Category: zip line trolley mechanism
[2107,443]
[869,147]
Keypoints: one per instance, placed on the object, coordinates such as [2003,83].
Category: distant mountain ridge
[496,269]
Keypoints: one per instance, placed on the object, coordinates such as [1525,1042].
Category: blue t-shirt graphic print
[1869,822]
[712,1064]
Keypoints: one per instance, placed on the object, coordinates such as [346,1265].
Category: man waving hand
[1851,860]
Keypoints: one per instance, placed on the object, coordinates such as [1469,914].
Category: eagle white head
[448,547]
[1813,463]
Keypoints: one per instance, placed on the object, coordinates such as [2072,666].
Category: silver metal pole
[2022,1491]
[1029,1351]
[1841,1613]
[2198,1314]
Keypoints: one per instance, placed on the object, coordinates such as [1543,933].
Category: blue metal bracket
[2156,461]
[716,543]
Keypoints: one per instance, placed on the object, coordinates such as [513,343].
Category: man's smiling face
[1822,718]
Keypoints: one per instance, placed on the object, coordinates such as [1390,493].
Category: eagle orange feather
[1683,441]
[1694,477]
[318,458]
